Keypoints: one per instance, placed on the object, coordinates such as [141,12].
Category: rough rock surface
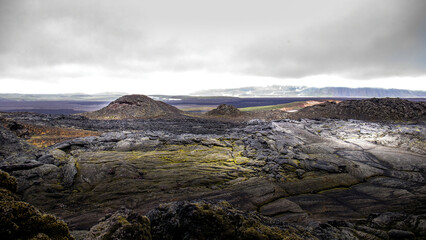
[43,136]
[121,225]
[192,220]
[20,220]
[325,176]
[134,107]
[205,220]
[219,220]
[374,109]
[11,145]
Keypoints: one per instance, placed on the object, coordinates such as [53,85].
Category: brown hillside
[225,110]
[134,107]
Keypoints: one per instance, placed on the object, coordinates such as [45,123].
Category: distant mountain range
[248,92]
[61,97]
[302,91]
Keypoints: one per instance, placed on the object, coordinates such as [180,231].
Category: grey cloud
[376,40]
[39,34]
[281,38]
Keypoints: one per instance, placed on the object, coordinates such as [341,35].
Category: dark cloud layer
[375,40]
[361,39]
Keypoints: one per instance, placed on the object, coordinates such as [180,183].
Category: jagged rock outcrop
[121,225]
[11,145]
[134,107]
[225,110]
[200,219]
[20,220]
[206,220]
[190,220]
[374,109]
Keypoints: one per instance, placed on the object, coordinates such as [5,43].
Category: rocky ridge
[373,109]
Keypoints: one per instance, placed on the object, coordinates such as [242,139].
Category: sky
[180,47]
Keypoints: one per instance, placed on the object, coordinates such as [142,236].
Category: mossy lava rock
[208,220]
[123,224]
[20,220]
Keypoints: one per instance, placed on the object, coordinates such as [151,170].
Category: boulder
[121,225]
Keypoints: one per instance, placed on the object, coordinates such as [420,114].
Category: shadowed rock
[123,224]
[205,220]
[20,220]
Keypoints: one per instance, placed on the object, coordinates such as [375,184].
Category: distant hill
[373,109]
[134,107]
[224,110]
[302,91]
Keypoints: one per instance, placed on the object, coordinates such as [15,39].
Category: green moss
[254,230]
[140,177]
[6,195]
[20,220]
[296,162]
[203,220]
[77,165]
[7,182]
[41,236]
[122,220]
[122,226]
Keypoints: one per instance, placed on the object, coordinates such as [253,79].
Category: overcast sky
[178,47]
